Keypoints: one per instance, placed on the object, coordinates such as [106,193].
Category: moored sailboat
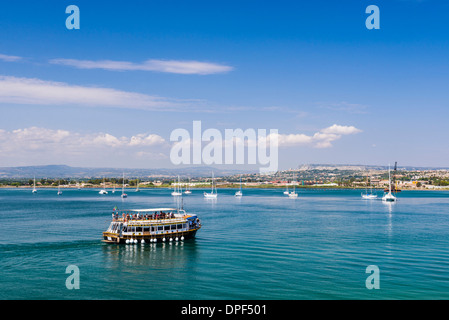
[177,189]
[124,195]
[389,197]
[34,186]
[213,194]
[103,191]
[239,193]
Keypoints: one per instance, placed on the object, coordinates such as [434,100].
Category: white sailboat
[34,186]
[124,195]
[239,193]
[389,197]
[286,191]
[293,194]
[370,195]
[103,191]
[213,194]
[59,189]
[188,191]
[177,189]
[137,188]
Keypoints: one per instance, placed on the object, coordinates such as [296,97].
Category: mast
[389,180]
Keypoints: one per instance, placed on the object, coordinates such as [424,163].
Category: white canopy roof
[153,210]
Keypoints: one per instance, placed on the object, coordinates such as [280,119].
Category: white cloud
[146,140]
[321,139]
[7,58]
[341,130]
[40,92]
[169,66]
[44,145]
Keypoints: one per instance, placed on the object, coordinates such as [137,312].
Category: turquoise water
[262,246]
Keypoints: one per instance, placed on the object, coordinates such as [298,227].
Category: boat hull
[110,237]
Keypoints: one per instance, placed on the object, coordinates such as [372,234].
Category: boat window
[179,226]
[173,227]
[146,229]
[153,229]
[166,227]
[160,228]
[125,229]
[138,229]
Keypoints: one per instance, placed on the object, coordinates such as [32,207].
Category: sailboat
[394,187]
[177,189]
[293,194]
[370,195]
[389,197]
[137,188]
[188,191]
[103,191]
[239,193]
[34,186]
[124,195]
[213,194]
[59,189]
[286,191]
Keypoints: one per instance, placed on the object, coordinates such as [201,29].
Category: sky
[111,93]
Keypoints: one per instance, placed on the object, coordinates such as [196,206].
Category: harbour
[259,246]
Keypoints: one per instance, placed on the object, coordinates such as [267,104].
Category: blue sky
[144,68]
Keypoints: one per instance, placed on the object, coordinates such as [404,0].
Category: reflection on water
[168,255]
[389,206]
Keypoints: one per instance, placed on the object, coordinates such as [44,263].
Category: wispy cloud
[343,106]
[40,92]
[169,66]
[7,58]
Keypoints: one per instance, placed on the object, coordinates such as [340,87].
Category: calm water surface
[262,246]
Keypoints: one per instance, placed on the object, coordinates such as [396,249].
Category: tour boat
[151,225]
[213,194]
[388,197]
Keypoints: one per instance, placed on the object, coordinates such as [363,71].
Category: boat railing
[149,221]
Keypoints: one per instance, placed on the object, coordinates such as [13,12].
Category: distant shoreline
[235,186]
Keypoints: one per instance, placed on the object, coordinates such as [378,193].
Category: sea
[324,244]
